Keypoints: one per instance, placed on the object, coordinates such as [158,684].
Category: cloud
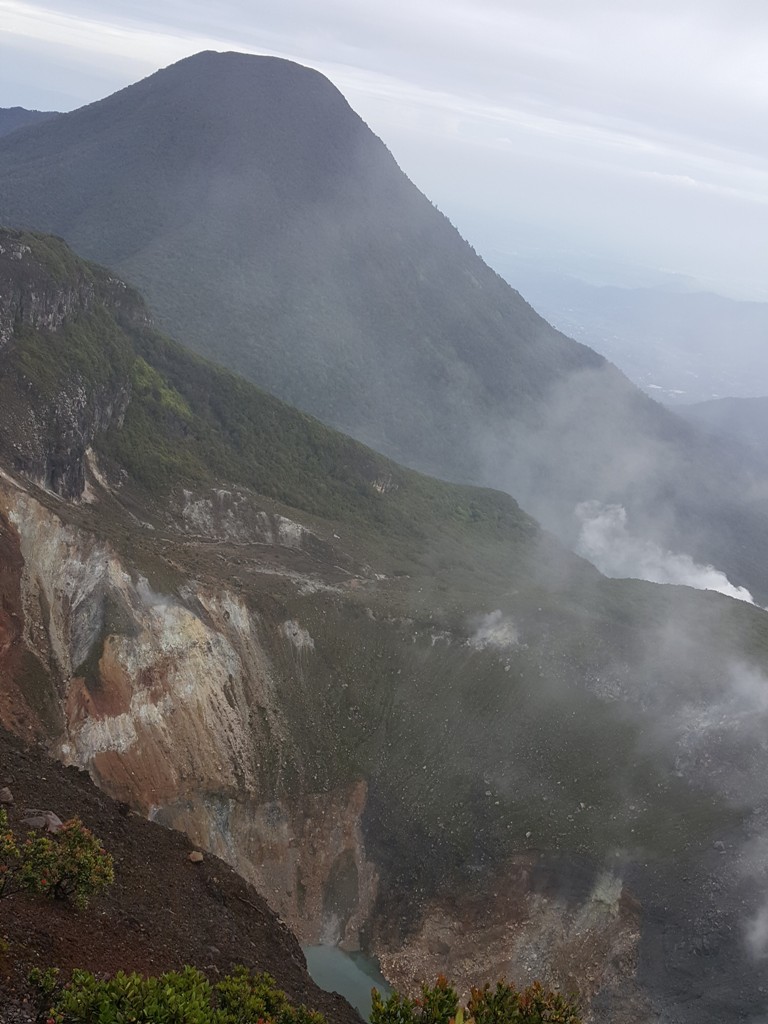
[606,540]
[720,738]
[757,934]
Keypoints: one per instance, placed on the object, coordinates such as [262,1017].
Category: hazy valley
[679,344]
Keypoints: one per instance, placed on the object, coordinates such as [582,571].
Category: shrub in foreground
[243,997]
[178,997]
[502,1004]
[70,865]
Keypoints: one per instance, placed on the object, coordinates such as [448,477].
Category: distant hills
[744,419]
[679,346]
[12,118]
[275,233]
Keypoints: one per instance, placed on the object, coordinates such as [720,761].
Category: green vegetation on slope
[245,997]
[71,865]
[190,423]
[501,1004]
[177,997]
[92,348]
[240,434]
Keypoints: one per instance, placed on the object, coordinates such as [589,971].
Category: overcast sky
[633,132]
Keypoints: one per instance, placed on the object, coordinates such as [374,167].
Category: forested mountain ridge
[12,118]
[273,232]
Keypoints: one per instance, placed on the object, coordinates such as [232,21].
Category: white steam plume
[495,631]
[607,542]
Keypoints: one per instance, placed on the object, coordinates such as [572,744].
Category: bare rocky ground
[163,911]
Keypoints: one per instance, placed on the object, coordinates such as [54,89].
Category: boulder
[47,821]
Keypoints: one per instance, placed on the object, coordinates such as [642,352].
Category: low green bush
[185,997]
[502,1004]
[244,997]
[70,865]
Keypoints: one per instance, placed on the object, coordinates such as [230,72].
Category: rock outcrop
[46,434]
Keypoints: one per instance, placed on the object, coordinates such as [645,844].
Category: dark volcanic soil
[162,912]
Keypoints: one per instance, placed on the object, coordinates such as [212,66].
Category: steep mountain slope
[12,118]
[397,706]
[272,231]
[296,250]
[163,912]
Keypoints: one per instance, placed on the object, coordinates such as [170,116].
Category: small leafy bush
[72,865]
[10,859]
[9,856]
[504,1004]
[185,997]
[44,980]
[438,1004]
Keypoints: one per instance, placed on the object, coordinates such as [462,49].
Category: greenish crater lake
[352,975]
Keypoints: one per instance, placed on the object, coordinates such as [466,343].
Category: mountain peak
[238,80]
[274,232]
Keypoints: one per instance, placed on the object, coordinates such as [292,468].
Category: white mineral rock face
[177,709]
[234,516]
[297,635]
[174,691]
[228,515]
[289,534]
[68,572]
